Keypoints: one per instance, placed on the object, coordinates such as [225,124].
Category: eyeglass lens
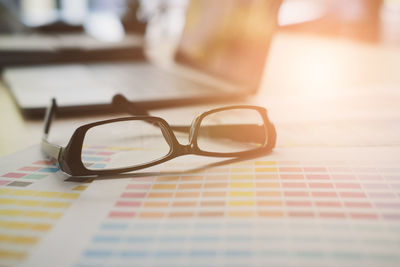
[124,144]
[232,131]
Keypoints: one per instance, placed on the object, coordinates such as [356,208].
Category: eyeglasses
[141,141]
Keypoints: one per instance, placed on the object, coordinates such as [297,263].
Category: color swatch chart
[268,189]
[31,202]
[281,212]
[27,175]
[242,243]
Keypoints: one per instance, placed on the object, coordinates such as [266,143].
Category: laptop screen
[229,38]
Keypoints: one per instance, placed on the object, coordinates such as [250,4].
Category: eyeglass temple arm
[120,103]
[50,149]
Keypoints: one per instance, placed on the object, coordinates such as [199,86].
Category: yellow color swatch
[241,170]
[12,255]
[241,194]
[241,203]
[32,214]
[242,176]
[56,204]
[17,192]
[34,203]
[80,187]
[6,191]
[7,201]
[47,194]
[266,169]
[18,240]
[24,193]
[41,227]
[265,176]
[29,202]
[43,214]
[241,185]
[69,195]
[243,163]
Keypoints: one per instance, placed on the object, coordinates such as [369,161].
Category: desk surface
[296,207]
[310,84]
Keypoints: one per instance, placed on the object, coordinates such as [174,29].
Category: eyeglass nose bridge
[181,150]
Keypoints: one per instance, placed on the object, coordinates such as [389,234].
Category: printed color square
[35,176]
[49,169]
[3,182]
[29,169]
[14,175]
[19,184]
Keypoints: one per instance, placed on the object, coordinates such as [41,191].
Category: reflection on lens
[123,144]
[232,131]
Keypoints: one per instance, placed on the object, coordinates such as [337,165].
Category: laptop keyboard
[91,84]
[143,80]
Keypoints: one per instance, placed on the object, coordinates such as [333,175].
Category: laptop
[220,56]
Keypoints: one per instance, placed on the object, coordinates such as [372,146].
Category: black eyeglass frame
[70,161]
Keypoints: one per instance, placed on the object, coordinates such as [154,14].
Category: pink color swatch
[29,169]
[121,214]
[14,175]
[133,195]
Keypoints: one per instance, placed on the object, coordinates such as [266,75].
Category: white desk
[310,84]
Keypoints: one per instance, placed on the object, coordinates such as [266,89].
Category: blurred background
[332,75]
[364,20]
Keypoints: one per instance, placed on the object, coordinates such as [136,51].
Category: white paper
[33,199]
[295,207]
